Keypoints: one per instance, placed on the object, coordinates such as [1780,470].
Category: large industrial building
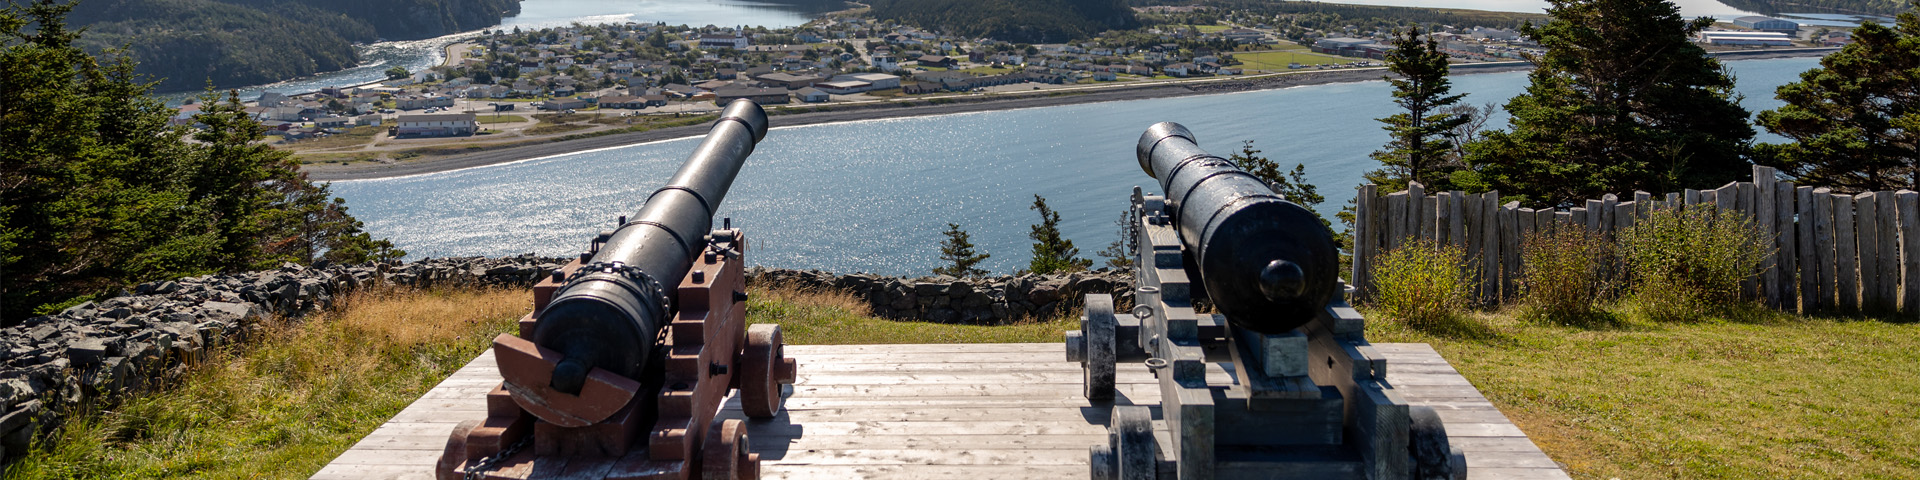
[1767,24]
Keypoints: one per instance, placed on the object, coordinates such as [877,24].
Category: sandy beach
[958,104]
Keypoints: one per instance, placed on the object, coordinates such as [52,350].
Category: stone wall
[94,353]
[985,301]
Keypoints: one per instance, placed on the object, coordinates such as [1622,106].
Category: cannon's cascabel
[1267,263]
[610,312]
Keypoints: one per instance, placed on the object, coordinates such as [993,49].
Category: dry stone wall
[94,353]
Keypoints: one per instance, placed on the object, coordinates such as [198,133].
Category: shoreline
[959,104]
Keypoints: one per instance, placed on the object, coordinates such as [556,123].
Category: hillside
[243,42]
[1029,21]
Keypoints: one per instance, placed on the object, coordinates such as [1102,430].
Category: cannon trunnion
[1298,392]
[621,368]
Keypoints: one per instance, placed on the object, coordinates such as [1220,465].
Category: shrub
[1563,281]
[1421,283]
[1686,264]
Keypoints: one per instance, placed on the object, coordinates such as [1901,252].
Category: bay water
[874,196]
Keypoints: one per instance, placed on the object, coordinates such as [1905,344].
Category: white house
[436,125]
[735,42]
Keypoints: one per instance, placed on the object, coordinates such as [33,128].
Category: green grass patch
[285,404]
[1760,395]
[835,318]
[492,119]
[1278,61]
[549,129]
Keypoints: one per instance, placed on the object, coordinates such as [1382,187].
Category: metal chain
[486,464]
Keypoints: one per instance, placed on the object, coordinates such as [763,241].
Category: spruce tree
[1855,119]
[1621,100]
[1423,134]
[1119,254]
[1051,252]
[957,251]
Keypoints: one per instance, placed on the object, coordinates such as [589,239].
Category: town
[583,79]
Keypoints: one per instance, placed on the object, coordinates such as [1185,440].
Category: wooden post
[1456,205]
[1543,221]
[1816,268]
[1489,247]
[1442,216]
[1471,236]
[1846,267]
[1429,219]
[1396,219]
[1909,202]
[1691,197]
[1416,195]
[1563,220]
[1510,251]
[1764,204]
[1623,216]
[1363,237]
[1743,198]
[1709,198]
[1785,245]
[1889,254]
[1726,198]
[1673,200]
[1867,234]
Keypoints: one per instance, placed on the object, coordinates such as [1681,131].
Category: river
[874,196]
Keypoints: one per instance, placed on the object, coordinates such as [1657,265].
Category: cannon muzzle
[1267,263]
[610,312]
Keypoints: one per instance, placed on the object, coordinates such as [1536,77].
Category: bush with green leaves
[1421,283]
[1565,276]
[1687,264]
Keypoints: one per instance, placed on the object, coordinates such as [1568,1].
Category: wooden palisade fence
[1829,252]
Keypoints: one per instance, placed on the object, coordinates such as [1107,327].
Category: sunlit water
[875,196]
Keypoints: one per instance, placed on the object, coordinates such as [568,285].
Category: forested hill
[1858,7]
[243,42]
[1031,21]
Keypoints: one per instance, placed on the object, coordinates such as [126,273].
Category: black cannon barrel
[1267,263]
[610,312]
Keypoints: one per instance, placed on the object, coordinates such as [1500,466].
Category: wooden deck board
[946,411]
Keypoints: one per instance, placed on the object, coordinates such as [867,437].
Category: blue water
[874,196]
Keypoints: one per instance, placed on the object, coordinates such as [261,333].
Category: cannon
[622,367]
[1278,380]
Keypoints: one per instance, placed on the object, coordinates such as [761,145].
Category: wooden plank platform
[1001,411]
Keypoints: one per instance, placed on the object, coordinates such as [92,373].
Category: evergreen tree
[958,252]
[1119,254]
[1051,252]
[1423,134]
[1622,100]
[1855,119]
[97,192]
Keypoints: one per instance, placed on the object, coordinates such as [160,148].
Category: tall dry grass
[1422,283]
[1687,264]
[1564,279]
[285,404]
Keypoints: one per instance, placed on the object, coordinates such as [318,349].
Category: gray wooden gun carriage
[1308,396]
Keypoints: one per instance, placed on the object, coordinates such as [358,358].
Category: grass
[491,119]
[303,392]
[987,70]
[833,318]
[354,137]
[1278,60]
[286,404]
[1760,395]
[548,128]
[337,157]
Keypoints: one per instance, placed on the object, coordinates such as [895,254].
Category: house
[332,122]
[436,125]
[712,85]
[369,119]
[723,40]
[654,100]
[563,104]
[1767,24]
[847,87]
[763,96]
[788,80]
[812,95]
[1181,69]
[880,81]
[622,101]
[1730,37]
[271,99]
[1104,76]
[941,61]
